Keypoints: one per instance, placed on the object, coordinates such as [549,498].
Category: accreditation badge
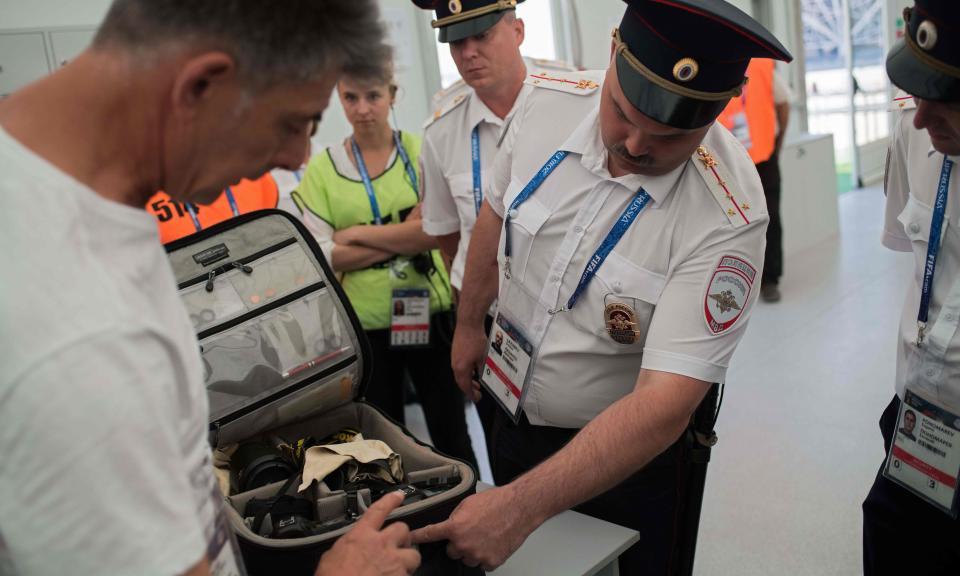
[410,317]
[924,455]
[507,365]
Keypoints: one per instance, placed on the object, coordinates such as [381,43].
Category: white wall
[49,13]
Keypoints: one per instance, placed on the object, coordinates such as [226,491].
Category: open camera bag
[284,355]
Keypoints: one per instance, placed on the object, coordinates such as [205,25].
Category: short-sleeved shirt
[913,173]
[105,465]
[332,197]
[663,267]
[447,161]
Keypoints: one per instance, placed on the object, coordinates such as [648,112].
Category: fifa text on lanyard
[933,248]
[230,199]
[623,223]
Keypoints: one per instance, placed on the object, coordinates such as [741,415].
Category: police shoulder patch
[727,293]
[723,187]
[580,83]
[448,99]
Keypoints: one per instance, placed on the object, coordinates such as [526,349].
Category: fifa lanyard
[365,175]
[475,157]
[230,199]
[933,248]
[620,227]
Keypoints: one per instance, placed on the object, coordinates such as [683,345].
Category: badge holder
[409,309]
[506,369]
[924,455]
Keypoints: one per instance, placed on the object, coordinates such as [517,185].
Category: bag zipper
[240,264]
[305,291]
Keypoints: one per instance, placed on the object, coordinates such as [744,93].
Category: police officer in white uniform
[910,515]
[631,235]
[462,135]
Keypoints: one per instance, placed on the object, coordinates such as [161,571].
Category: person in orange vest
[758,118]
[177,220]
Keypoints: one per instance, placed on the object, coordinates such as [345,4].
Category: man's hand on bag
[366,550]
[468,351]
[484,530]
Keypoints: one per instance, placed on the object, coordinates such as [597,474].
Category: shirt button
[555,279]
[617,288]
[949,317]
[930,373]
[513,213]
[578,229]
[915,228]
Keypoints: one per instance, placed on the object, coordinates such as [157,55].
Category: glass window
[537,16]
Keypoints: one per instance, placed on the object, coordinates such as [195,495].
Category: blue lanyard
[407,164]
[233,208]
[933,247]
[475,155]
[365,176]
[623,223]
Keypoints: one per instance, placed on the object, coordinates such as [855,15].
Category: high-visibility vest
[756,109]
[175,220]
[342,202]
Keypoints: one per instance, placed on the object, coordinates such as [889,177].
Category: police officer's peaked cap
[459,19]
[926,61]
[680,61]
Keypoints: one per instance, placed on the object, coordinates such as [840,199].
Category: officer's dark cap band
[662,105]
[468,28]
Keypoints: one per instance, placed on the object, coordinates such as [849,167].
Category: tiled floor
[799,443]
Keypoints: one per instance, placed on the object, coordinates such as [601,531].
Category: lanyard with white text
[407,164]
[933,247]
[475,157]
[623,223]
[233,208]
[367,184]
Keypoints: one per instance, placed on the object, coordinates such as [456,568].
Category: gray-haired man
[105,466]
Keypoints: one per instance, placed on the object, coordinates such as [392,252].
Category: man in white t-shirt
[103,414]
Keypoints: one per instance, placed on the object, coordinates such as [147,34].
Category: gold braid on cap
[921,54]
[498,6]
[650,75]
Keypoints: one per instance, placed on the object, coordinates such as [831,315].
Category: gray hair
[271,41]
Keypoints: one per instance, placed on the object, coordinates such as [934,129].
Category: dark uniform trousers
[648,501]
[903,534]
[432,377]
[769,172]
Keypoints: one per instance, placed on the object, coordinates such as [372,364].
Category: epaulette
[572,83]
[537,65]
[447,99]
[903,101]
[723,187]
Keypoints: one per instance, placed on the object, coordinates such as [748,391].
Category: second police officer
[461,137]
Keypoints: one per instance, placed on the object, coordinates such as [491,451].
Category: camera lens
[257,464]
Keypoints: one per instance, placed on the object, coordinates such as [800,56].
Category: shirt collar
[587,142]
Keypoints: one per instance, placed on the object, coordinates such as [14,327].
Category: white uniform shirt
[662,267]
[447,162]
[913,172]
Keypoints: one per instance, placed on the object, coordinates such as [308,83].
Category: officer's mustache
[642,160]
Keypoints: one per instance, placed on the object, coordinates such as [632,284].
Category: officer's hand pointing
[469,350]
[366,550]
[484,530]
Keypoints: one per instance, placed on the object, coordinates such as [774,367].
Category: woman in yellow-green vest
[360,199]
